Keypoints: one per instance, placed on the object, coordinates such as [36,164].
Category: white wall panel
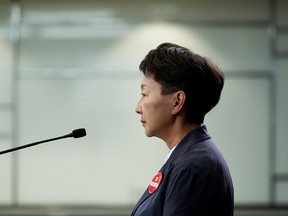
[282,42]
[111,165]
[6,174]
[282,7]
[282,193]
[234,49]
[282,118]
[6,121]
[240,127]
[5,69]
[5,102]
[151,9]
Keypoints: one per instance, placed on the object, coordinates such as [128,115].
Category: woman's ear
[179,100]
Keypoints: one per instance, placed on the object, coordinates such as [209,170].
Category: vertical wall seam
[15,22]
[272,34]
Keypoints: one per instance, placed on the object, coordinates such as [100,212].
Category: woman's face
[155,109]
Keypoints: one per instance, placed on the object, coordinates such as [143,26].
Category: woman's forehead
[149,82]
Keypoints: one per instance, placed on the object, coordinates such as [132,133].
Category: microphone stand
[77,133]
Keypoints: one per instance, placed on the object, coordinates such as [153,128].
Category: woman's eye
[143,94]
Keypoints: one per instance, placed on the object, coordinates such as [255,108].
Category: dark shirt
[195,181]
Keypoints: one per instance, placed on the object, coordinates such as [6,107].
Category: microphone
[77,133]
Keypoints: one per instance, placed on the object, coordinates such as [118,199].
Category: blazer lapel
[146,194]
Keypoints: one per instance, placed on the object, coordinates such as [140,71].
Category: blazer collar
[197,135]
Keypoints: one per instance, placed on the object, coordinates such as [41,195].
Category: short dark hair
[177,68]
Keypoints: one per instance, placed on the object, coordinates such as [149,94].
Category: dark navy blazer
[196,181]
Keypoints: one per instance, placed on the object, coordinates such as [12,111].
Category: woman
[178,89]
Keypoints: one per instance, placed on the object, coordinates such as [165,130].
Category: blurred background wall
[70,64]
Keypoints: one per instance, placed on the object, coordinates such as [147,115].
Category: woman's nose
[138,108]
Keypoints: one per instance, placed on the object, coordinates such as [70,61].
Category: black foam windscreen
[77,133]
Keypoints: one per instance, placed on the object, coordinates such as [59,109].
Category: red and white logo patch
[155,183]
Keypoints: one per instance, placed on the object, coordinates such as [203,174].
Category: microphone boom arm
[75,133]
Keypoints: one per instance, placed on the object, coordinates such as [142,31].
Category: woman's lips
[143,122]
